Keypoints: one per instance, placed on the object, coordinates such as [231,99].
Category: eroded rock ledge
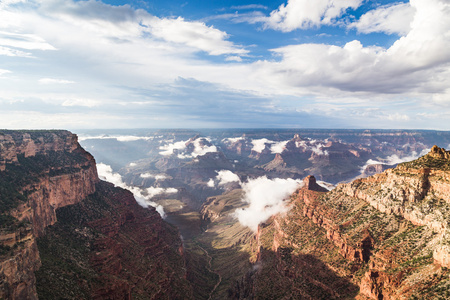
[57,217]
[41,171]
[391,228]
[418,191]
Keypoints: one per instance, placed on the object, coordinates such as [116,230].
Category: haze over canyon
[225,214]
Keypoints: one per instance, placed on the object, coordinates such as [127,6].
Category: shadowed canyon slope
[65,234]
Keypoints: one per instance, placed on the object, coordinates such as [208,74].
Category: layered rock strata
[40,172]
[31,143]
[57,220]
[386,236]
[108,247]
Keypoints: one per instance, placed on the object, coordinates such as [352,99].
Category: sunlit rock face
[381,237]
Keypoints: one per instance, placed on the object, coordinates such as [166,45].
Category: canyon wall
[30,143]
[382,237]
[57,217]
[41,171]
[108,247]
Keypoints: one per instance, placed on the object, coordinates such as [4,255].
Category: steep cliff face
[40,172]
[418,191]
[295,259]
[31,143]
[108,247]
[54,210]
[386,236]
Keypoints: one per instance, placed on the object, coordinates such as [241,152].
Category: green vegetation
[65,250]
[428,161]
[219,257]
[65,271]
[437,286]
[199,275]
[29,170]
[5,250]
[103,244]
[7,221]
[10,224]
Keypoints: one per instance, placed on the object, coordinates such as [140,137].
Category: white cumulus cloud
[232,140]
[153,191]
[223,177]
[7,51]
[211,183]
[106,173]
[54,81]
[327,185]
[3,71]
[23,41]
[81,102]
[266,197]
[394,159]
[194,34]
[169,149]
[312,145]
[260,144]
[303,14]
[415,63]
[392,19]
[226,176]
[278,147]
[97,44]
[147,175]
[150,175]
[200,148]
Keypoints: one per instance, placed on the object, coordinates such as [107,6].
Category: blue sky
[256,64]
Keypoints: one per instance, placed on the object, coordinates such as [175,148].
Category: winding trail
[209,267]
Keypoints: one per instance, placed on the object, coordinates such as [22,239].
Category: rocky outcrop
[310,184]
[17,271]
[387,234]
[30,143]
[216,207]
[39,167]
[53,192]
[417,191]
[439,153]
[291,259]
[82,237]
[373,169]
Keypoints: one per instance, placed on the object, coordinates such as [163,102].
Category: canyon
[66,234]
[382,237]
[381,233]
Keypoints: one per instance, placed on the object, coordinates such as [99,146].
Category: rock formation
[41,171]
[65,234]
[44,172]
[382,237]
[108,247]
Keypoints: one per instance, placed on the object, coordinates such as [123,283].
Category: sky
[225,64]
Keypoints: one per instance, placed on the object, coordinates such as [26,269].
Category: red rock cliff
[387,234]
[101,245]
[14,143]
[108,247]
[46,170]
